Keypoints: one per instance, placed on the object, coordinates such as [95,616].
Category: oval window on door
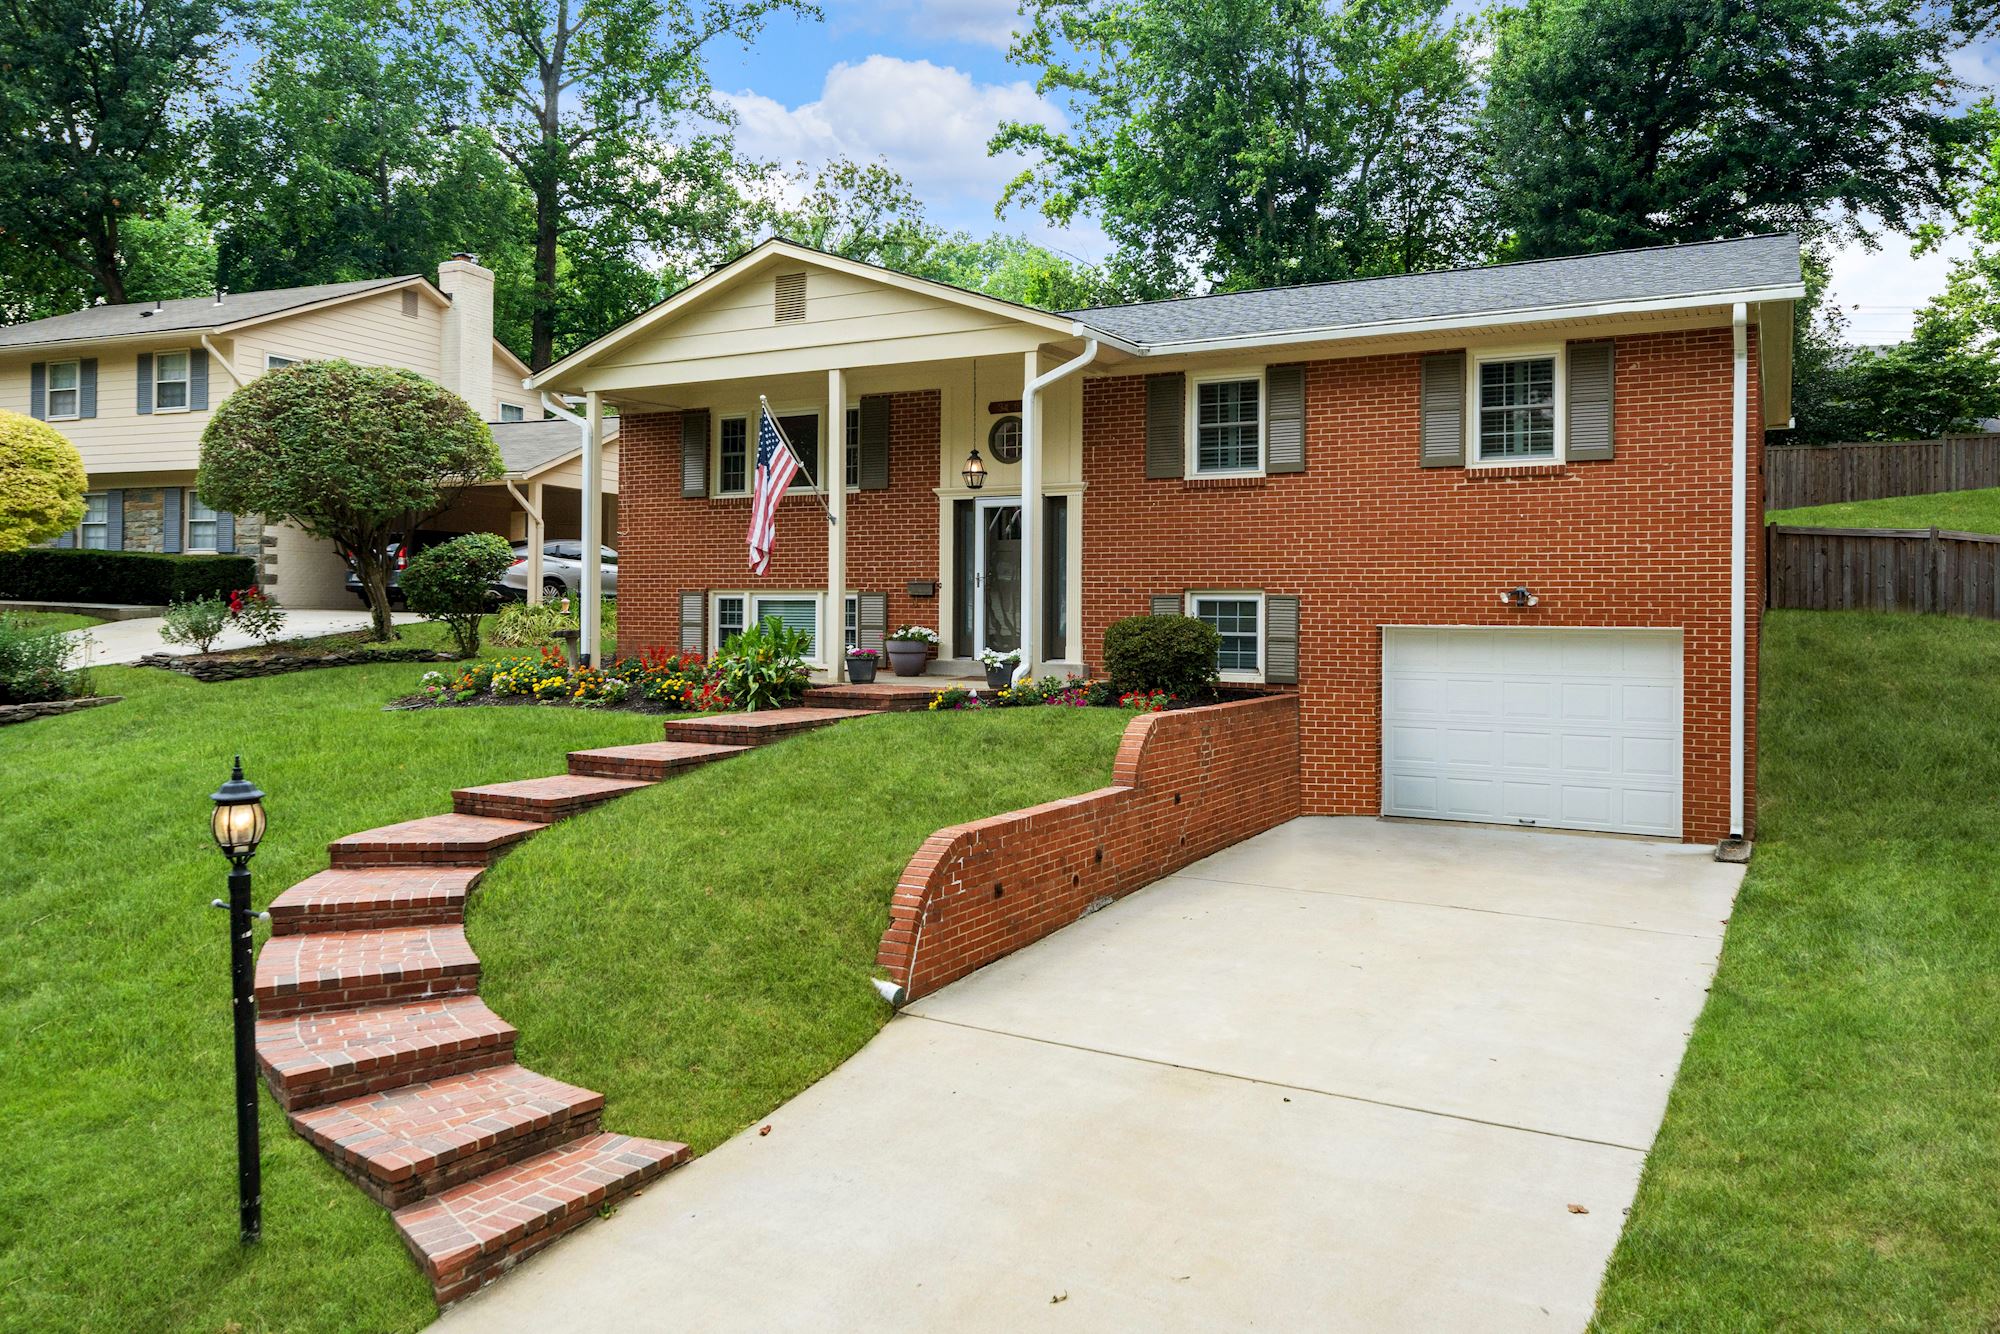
[1003,442]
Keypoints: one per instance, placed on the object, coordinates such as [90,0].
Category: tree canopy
[41,482]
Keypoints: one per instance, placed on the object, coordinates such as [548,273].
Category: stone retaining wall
[277,664]
[22,713]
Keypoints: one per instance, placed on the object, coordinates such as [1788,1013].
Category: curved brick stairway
[372,1036]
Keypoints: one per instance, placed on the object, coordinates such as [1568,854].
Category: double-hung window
[65,390]
[1228,425]
[1515,408]
[802,430]
[728,616]
[170,381]
[201,524]
[733,471]
[734,612]
[1239,619]
[851,615]
[95,530]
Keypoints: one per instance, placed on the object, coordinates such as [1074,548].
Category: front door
[996,576]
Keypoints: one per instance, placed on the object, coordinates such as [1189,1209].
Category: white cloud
[984,22]
[1880,290]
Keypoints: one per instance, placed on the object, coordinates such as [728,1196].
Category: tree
[1619,123]
[97,121]
[453,582]
[167,255]
[1251,143]
[1943,380]
[352,454]
[604,111]
[41,482]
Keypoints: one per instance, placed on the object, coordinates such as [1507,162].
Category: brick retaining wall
[1186,784]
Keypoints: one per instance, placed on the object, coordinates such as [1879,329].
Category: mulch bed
[630,704]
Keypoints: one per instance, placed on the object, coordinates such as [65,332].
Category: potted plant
[861,664]
[999,667]
[910,648]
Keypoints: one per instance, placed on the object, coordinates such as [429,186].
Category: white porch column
[1031,515]
[833,473]
[593,523]
[538,533]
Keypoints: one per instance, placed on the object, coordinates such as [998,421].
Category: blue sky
[922,83]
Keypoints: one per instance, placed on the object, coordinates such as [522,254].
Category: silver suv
[562,571]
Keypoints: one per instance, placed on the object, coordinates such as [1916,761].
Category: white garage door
[1577,729]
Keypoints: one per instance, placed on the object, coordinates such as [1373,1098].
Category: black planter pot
[999,677]
[861,671]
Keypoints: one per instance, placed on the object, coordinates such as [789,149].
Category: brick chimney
[468,332]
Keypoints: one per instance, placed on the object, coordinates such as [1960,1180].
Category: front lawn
[1959,511]
[50,621]
[725,923]
[1830,1158]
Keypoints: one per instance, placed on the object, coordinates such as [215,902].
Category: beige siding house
[133,386]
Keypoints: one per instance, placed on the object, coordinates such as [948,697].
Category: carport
[539,498]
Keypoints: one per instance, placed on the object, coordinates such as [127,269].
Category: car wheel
[554,590]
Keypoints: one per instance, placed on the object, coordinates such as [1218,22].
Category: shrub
[1175,654]
[764,667]
[147,578]
[257,614]
[41,482]
[453,581]
[199,621]
[34,665]
[524,625]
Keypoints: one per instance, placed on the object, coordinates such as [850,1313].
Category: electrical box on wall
[922,588]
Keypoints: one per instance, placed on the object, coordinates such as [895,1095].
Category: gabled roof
[197,314]
[1734,269]
[529,447]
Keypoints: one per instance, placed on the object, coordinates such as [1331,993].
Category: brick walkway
[373,1038]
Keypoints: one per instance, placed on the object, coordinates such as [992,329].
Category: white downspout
[1031,500]
[1739,464]
[591,613]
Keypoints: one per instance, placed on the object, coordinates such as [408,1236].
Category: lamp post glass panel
[238,826]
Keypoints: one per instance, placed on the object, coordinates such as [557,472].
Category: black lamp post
[238,826]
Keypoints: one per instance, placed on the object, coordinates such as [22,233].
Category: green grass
[1959,511]
[50,621]
[1830,1158]
[700,952]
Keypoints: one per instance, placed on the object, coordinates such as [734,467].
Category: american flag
[776,466]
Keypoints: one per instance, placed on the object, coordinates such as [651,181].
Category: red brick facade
[1185,785]
[1364,537]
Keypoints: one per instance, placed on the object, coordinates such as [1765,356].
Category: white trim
[87,522]
[189,499]
[752,597]
[1555,352]
[274,361]
[1198,595]
[1191,446]
[1738,542]
[717,416]
[49,391]
[185,381]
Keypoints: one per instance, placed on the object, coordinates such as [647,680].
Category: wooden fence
[1796,475]
[1882,569]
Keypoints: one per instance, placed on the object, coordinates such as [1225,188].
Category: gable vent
[789,297]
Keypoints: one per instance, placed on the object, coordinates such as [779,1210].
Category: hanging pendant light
[975,471]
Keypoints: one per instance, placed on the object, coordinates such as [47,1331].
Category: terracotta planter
[908,656]
[861,670]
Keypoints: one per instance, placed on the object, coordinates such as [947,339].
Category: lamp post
[238,826]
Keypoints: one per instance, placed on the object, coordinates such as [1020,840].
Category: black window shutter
[964,533]
[1055,579]
[38,391]
[198,379]
[114,520]
[871,624]
[694,452]
[1591,374]
[170,519]
[1168,604]
[1166,425]
[1285,431]
[1442,411]
[1281,640]
[694,611]
[146,387]
[873,469]
[86,387]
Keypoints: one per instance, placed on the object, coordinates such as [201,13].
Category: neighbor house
[1494,525]
[133,387]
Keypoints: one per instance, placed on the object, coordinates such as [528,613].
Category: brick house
[1492,524]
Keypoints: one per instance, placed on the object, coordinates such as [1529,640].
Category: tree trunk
[374,574]
[542,316]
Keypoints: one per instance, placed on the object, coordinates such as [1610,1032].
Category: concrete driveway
[117,642]
[1351,1074]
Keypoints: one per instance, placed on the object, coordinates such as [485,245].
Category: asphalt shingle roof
[184,315]
[528,446]
[1623,275]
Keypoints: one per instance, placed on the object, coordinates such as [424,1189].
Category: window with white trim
[1238,617]
[273,361]
[1228,425]
[728,617]
[94,532]
[65,390]
[170,381]
[852,616]
[795,610]
[513,412]
[732,474]
[201,524]
[1514,408]
[802,433]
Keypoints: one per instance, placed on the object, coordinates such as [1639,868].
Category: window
[1238,618]
[733,477]
[95,530]
[170,381]
[1003,442]
[1228,425]
[201,522]
[1516,409]
[728,617]
[854,451]
[796,611]
[274,361]
[802,430]
[512,412]
[64,382]
[852,616]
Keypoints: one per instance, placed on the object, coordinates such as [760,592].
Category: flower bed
[657,681]
[1069,692]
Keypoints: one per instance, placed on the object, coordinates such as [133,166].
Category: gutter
[1739,456]
[1031,500]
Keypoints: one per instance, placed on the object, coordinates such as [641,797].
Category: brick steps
[373,897]
[343,970]
[310,1059]
[435,840]
[542,800]
[899,695]
[651,761]
[470,1234]
[756,729]
[402,1144]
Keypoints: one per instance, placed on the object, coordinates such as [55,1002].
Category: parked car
[562,571]
[400,551]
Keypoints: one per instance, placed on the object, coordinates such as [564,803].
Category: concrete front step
[345,970]
[374,897]
[402,1144]
[756,729]
[310,1059]
[541,800]
[650,761]
[435,840]
[468,1235]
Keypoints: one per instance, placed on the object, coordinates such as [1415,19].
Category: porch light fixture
[975,471]
[1518,597]
[238,826]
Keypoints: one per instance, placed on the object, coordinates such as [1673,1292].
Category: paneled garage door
[1576,729]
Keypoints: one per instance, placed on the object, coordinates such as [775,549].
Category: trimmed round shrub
[1176,654]
[41,482]
[453,582]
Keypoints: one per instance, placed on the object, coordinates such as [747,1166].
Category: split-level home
[133,386]
[1493,525]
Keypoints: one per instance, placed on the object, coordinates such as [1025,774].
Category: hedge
[146,578]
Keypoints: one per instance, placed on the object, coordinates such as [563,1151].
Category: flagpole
[764,406]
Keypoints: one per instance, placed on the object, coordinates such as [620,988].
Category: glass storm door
[996,577]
